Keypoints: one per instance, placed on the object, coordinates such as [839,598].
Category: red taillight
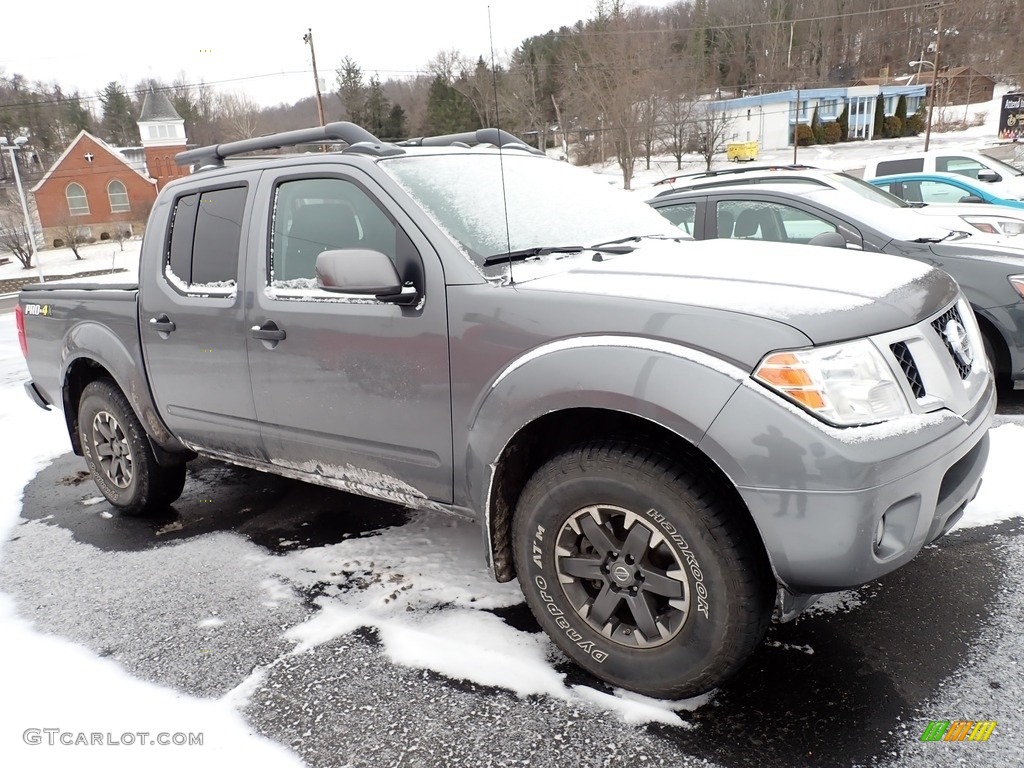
[19,319]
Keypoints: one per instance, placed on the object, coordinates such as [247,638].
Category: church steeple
[163,135]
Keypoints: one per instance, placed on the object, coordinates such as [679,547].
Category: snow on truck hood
[827,293]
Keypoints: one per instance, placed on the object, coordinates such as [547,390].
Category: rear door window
[203,249]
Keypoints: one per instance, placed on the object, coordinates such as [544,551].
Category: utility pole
[935,82]
[308,38]
[796,126]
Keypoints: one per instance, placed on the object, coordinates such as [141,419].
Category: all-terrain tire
[119,455]
[639,572]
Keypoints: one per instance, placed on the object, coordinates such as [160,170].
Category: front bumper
[837,508]
[824,539]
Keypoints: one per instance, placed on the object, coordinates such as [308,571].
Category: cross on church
[88,157]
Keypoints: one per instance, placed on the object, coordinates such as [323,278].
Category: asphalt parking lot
[854,684]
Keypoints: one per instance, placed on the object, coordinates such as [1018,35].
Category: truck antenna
[501,160]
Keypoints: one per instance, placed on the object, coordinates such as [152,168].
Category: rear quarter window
[906,165]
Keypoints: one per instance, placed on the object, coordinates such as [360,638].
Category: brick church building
[94,190]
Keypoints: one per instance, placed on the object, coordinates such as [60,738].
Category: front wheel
[119,456]
[639,572]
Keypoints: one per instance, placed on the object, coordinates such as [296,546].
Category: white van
[971,164]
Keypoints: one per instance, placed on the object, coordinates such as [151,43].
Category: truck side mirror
[362,272]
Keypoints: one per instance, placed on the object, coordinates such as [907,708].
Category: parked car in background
[991,276]
[943,188]
[972,165]
[998,221]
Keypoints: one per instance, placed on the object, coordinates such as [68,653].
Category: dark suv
[991,276]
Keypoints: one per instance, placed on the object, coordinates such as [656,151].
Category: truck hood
[828,294]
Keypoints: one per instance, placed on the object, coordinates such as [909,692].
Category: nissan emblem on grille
[956,337]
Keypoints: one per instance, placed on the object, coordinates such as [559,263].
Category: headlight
[995,225]
[846,384]
[1017,281]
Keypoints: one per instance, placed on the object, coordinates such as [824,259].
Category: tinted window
[183,228]
[889,167]
[206,232]
[218,235]
[316,215]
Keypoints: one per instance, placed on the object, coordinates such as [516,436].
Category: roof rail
[349,133]
[733,171]
[499,138]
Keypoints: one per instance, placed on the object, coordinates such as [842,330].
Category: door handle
[268,332]
[162,324]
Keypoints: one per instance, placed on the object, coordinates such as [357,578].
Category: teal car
[942,189]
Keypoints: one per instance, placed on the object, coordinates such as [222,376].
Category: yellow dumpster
[741,150]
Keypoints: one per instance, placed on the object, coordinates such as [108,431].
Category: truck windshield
[547,203]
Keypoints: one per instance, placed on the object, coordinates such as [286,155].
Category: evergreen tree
[844,123]
[816,128]
[351,90]
[879,121]
[395,127]
[118,125]
[448,111]
[377,110]
[901,113]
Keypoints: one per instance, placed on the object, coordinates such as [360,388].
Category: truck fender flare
[93,342]
[676,387]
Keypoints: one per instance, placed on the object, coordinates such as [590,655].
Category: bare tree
[239,114]
[675,128]
[14,237]
[711,130]
[67,230]
[608,79]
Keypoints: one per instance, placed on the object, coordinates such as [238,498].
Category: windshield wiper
[529,253]
[631,238]
[958,234]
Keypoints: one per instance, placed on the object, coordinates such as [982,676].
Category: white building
[770,118]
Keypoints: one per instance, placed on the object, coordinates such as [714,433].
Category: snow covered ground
[433,621]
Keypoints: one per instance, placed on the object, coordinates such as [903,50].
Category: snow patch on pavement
[635,709]
[56,684]
[59,685]
[836,602]
[423,587]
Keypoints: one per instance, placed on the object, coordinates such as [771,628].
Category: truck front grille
[906,361]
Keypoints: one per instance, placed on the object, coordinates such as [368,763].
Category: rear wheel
[638,571]
[119,455]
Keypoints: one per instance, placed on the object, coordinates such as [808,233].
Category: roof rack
[733,171]
[358,139]
[493,136]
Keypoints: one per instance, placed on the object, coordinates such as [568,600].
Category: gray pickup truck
[665,441]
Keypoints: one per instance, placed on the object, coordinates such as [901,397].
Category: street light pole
[931,98]
[20,142]
[308,38]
